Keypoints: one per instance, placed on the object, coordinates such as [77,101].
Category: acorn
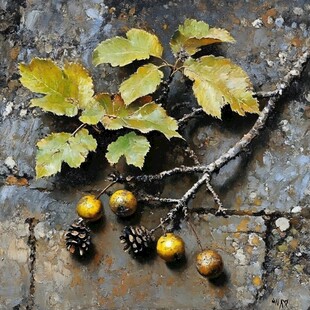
[123,203]
[89,208]
[209,263]
[170,247]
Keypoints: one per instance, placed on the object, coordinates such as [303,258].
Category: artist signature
[281,303]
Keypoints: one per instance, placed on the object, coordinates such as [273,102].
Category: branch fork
[206,171]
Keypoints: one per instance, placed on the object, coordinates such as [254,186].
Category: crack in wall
[32,260]
[264,291]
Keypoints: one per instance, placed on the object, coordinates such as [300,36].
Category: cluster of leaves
[69,91]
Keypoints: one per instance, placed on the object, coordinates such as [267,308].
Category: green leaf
[63,147]
[146,118]
[119,51]
[217,82]
[132,146]
[193,34]
[93,113]
[65,90]
[141,83]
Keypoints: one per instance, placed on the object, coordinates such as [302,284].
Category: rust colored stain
[127,282]
[238,203]
[221,292]
[202,6]
[259,156]
[257,281]
[258,228]
[95,262]
[14,52]
[12,180]
[235,20]
[76,279]
[243,226]
[257,202]
[214,291]
[249,249]
[97,259]
[170,281]
[141,295]
[236,235]
[121,287]
[270,13]
[255,241]
[132,11]
[294,244]
[297,42]
[108,262]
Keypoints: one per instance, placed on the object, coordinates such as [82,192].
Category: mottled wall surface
[264,243]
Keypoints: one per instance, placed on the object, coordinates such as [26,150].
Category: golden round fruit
[209,263]
[123,203]
[170,247]
[89,208]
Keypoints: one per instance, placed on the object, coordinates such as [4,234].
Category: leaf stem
[220,208]
[165,90]
[78,129]
[166,64]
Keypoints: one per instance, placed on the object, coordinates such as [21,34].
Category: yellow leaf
[194,29]
[193,34]
[146,118]
[217,82]
[119,51]
[65,90]
[141,83]
[93,113]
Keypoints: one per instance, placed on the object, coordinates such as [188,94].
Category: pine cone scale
[136,239]
[78,237]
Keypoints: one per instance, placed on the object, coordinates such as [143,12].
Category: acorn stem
[195,233]
[104,190]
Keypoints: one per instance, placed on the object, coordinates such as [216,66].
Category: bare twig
[233,152]
[184,104]
[156,177]
[220,208]
[188,116]
[149,198]
[192,155]
[162,99]
[182,202]
[241,145]
[289,77]
[267,94]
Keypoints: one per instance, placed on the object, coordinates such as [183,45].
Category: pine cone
[137,239]
[78,237]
